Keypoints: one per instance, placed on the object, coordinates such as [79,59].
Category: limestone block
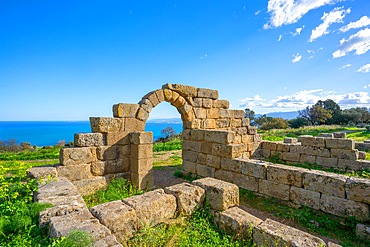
[187,113]
[221,195]
[248,138]
[305,197]
[107,152]
[344,154]
[125,175]
[141,138]
[272,233]
[197,102]
[123,151]
[286,174]
[224,175]
[192,145]
[141,166]
[144,151]
[77,156]
[222,123]
[69,207]
[125,110]
[274,189]
[142,114]
[42,172]
[209,124]
[200,113]
[143,181]
[340,143]
[118,217]
[326,135]
[198,135]
[213,113]
[363,231]
[146,105]
[254,168]
[312,141]
[168,95]
[108,241]
[358,189]
[207,93]
[189,155]
[361,155]
[160,95]
[188,196]
[224,113]
[253,146]
[62,225]
[221,104]
[188,166]
[340,135]
[207,103]
[325,182]
[76,172]
[202,159]
[245,182]
[266,153]
[290,140]
[186,134]
[101,168]
[213,161]
[236,123]
[91,185]
[219,136]
[119,138]
[89,139]
[152,97]
[184,90]
[153,207]
[207,147]
[344,208]
[349,165]
[252,130]
[228,150]
[237,222]
[106,124]
[293,157]
[238,114]
[331,244]
[365,164]
[233,165]
[205,171]
[327,162]
[245,122]
[282,147]
[179,102]
[307,159]
[133,124]
[308,150]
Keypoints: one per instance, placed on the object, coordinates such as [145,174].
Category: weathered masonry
[217,142]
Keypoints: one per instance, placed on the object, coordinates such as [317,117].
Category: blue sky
[69,60]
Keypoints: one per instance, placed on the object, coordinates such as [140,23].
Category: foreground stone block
[363,231]
[358,189]
[274,189]
[285,174]
[118,217]
[254,168]
[91,185]
[189,197]
[42,172]
[238,222]
[221,195]
[305,197]
[325,182]
[76,172]
[89,139]
[344,208]
[77,156]
[153,207]
[272,233]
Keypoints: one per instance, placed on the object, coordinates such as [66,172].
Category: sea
[49,133]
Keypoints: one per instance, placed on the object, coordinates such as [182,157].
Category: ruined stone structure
[217,142]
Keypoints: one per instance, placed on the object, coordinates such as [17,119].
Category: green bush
[175,144]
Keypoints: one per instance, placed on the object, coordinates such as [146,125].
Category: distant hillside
[284,115]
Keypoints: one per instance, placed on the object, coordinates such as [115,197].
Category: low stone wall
[114,222]
[363,146]
[331,193]
[335,153]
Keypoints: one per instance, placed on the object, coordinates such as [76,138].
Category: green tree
[248,113]
[298,122]
[316,114]
[168,132]
[274,123]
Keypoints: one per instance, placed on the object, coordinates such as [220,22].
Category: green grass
[359,135]
[38,154]
[313,220]
[175,144]
[118,189]
[173,160]
[197,230]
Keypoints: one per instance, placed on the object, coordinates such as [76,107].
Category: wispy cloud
[346,66]
[362,22]
[280,37]
[335,16]
[296,58]
[257,12]
[367,86]
[285,12]
[365,68]
[297,31]
[304,98]
[359,42]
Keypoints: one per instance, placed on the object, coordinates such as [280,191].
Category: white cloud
[285,12]
[252,102]
[346,66]
[335,16]
[367,86]
[363,22]
[296,58]
[365,68]
[257,12]
[297,31]
[359,42]
[280,37]
[302,99]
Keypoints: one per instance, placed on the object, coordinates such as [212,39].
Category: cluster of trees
[323,112]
